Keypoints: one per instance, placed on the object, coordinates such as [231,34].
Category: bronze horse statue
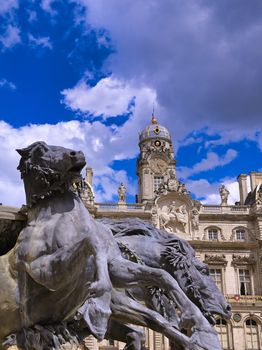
[65,265]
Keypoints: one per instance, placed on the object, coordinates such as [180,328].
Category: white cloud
[32,15]
[209,192]
[7,6]
[85,136]
[11,37]
[111,181]
[109,97]
[212,161]
[4,83]
[47,5]
[194,54]
[43,41]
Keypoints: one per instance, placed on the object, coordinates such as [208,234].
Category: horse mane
[135,227]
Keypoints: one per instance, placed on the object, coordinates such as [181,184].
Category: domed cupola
[154,131]
[156,160]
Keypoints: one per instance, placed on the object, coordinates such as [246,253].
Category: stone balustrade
[119,207]
[225,209]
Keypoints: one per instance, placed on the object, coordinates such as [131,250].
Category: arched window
[222,330]
[252,336]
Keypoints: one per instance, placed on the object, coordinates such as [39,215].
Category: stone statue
[195,219]
[61,276]
[224,193]
[121,193]
[259,196]
[154,216]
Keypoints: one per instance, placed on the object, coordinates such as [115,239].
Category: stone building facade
[226,237]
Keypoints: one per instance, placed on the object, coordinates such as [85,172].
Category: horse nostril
[228,308]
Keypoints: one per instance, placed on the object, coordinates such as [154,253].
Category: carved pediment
[219,259]
[172,185]
[243,260]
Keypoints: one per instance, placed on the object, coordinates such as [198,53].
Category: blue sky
[85,74]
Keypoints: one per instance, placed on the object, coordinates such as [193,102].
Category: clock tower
[155,164]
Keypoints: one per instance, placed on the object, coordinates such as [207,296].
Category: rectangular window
[157,181]
[213,234]
[240,235]
[216,274]
[244,282]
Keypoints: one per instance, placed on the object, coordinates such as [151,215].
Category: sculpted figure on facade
[85,191]
[174,216]
[259,196]
[224,193]
[195,219]
[172,183]
[121,193]
[154,217]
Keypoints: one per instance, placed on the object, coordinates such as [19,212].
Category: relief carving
[215,259]
[243,260]
[174,217]
[172,185]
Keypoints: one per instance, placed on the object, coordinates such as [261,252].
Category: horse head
[46,169]
[193,278]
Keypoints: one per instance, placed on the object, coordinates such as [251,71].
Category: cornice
[225,245]
[11,213]
[225,216]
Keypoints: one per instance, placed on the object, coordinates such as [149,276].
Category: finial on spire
[154,121]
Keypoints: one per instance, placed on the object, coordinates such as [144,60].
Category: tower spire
[154,121]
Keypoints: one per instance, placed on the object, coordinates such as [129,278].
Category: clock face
[158,165]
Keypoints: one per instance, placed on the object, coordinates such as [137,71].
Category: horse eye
[205,271]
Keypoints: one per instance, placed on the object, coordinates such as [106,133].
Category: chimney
[89,175]
[242,182]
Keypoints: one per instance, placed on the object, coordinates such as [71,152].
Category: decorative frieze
[219,259]
[243,260]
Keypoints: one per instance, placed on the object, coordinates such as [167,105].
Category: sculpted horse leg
[128,310]
[125,274]
[133,337]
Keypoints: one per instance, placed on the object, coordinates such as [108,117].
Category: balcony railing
[119,207]
[244,299]
[225,209]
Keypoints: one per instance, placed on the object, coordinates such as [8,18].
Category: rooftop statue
[224,193]
[68,275]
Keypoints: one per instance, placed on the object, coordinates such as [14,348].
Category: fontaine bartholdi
[74,272]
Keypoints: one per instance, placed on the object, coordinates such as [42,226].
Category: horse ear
[24,152]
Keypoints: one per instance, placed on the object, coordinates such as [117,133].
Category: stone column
[242,182]
[89,175]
